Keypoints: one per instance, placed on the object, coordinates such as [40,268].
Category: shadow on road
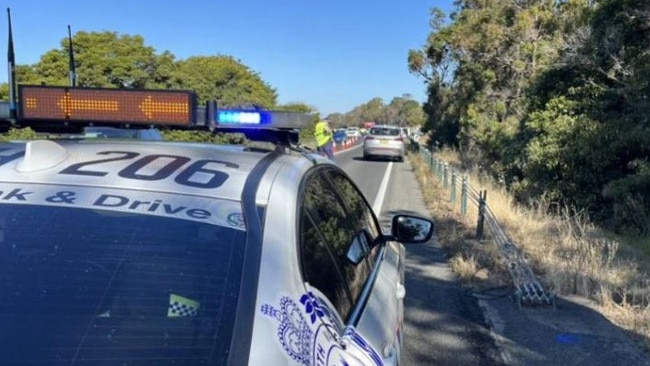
[375,160]
[443,325]
[447,324]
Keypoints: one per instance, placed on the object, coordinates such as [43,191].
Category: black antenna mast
[72,74]
[11,61]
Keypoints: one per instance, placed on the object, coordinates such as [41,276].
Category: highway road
[442,326]
[446,325]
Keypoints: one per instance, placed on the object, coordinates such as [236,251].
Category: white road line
[379,200]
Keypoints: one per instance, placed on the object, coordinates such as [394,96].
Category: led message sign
[151,107]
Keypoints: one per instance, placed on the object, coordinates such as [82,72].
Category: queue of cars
[340,135]
[137,252]
[353,132]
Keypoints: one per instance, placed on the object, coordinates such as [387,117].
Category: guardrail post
[453,186]
[445,175]
[440,169]
[481,214]
[414,145]
[463,197]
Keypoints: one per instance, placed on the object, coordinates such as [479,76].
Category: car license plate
[384,141]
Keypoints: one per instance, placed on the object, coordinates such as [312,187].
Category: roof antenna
[11,61]
[71,72]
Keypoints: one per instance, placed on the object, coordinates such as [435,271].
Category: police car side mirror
[410,229]
[359,248]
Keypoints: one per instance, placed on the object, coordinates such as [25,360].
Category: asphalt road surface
[447,325]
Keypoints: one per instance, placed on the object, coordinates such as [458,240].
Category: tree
[295,107]
[371,111]
[404,111]
[164,73]
[24,75]
[102,59]
[479,64]
[337,120]
[19,134]
[226,80]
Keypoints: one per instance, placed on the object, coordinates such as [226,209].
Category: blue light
[243,117]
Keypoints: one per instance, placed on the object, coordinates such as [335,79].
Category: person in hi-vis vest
[324,142]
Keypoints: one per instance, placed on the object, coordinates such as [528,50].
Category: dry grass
[569,255]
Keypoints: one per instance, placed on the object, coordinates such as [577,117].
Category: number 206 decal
[153,167]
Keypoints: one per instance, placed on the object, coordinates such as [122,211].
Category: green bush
[19,134]
[204,137]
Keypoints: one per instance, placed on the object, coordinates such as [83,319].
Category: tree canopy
[110,60]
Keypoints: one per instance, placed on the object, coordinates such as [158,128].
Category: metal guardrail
[528,289]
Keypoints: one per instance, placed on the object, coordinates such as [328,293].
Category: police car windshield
[84,287]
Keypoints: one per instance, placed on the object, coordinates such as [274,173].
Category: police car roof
[217,171]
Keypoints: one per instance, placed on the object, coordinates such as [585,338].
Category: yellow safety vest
[320,132]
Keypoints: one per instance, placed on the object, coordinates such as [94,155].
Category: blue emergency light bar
[278,127]
[243,117]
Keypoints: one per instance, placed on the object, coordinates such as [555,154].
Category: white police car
[158,253]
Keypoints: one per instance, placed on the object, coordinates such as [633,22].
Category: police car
[166,253]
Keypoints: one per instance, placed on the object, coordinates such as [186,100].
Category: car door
[379,314]
[343,260]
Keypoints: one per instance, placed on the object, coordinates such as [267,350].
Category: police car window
[336,227]
[360,213]
[83,287]
[320,266]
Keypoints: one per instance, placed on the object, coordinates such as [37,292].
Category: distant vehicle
[353,132]
[405,132]
[384,141]
[340,134]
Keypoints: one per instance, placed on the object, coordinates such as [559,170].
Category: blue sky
[331,54]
